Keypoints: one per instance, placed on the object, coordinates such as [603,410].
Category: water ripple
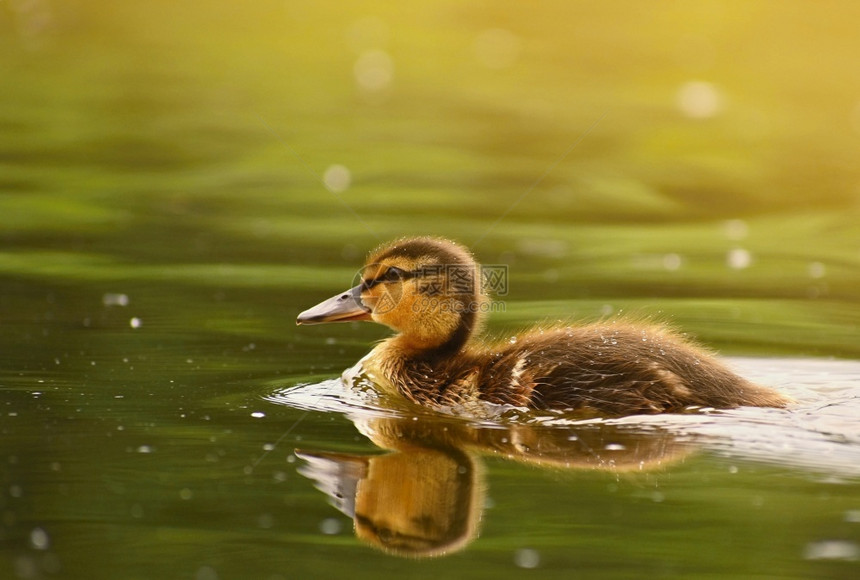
[820,433]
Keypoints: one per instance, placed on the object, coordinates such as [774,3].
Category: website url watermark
[438,304]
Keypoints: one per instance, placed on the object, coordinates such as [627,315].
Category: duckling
[429,290]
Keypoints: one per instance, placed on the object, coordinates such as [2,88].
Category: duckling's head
[428,289]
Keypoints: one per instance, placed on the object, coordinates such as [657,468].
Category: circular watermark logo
[380,287]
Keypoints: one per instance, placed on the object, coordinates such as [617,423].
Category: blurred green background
[694,152]
[179,179]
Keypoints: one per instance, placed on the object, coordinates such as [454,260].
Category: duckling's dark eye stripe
[398,274]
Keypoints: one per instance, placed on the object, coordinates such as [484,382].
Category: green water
[163,218]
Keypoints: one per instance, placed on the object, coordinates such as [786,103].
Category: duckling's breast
[370,370]
[427,379]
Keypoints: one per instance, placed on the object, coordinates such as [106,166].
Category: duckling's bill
[343,307]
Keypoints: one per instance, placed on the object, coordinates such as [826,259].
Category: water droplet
[738,259]
[527,558]
[205,573]
[266,521]
[832,550]
[699,100]
[39,539]
[672,262]
[337,178]
[330,526]
[115,299]
[26,567]
[374,70]
[135,322]
[816,270]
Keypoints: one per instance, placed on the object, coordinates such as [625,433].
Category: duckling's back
[614,369]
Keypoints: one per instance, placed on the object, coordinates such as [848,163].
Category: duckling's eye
[393,274]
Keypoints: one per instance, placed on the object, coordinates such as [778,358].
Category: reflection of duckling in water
[418,501]
[429,290]
[426,497]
